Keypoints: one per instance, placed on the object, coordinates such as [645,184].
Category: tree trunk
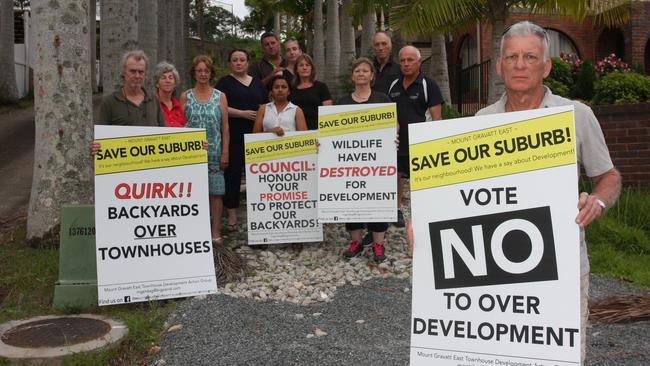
[319,41]
[200,6]
[8,87]
[92,42]
[333,45]
[119,33]
[348,50]
[148,36]
[439,70]
[368,31]
[164,36]
[499,13]
[63,115]
[182,57]
[276,23]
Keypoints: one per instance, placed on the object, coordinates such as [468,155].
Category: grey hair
[390,41]
[138,55]
[526,28]
[417,52]
[165,67]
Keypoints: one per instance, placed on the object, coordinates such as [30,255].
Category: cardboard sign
[357,163]
[152,215]
[496,267]
[281,188]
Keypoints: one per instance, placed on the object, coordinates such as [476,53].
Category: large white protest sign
[281,188]
[152,215]
[496,258]
[357,163]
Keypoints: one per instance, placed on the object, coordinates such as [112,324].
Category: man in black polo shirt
[271,63]
[387,69]
[418,99]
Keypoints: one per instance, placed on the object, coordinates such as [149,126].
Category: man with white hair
[523,64]
[418,99]
[386,69]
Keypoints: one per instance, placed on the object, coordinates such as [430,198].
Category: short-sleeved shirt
[285,118]
[174,117]
[375,97]
[117,110]
[245,98]
[412,105]
[591,149]
[385,76]
[264,68]
[309,99]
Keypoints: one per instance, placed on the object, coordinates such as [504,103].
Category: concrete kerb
[117,332]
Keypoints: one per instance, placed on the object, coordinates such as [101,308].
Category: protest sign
[151,214]
[281,188]
[496,262]
[357,163]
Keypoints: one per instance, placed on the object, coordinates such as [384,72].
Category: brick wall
[627,133]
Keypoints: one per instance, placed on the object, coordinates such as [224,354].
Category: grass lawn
[27,278]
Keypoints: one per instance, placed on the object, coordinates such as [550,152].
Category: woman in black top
[363,72]
[308,93]
[245,95]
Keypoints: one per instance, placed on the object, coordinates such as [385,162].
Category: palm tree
[319,41]
[438,66]
[63,115]
[119,33]
[148,34]
[348,50]
[333,43]
[442,15]
[8,88]
[369,27]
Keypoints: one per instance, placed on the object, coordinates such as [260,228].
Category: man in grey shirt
[523,64]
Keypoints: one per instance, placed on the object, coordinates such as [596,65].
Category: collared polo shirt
[264,68]
[412,105]
[385,76]
[117,110]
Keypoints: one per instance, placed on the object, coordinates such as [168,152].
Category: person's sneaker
[367,240]
[378,252]
[354,250]
[400,219]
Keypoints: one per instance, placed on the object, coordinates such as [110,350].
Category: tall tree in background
[148,35]
[333,46]
[119,32]
[92,42]
[348,49]
[368,28]
[63,114]
[438,67]
[319,40]
[8,87]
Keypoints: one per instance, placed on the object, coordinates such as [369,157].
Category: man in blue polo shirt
[418,99]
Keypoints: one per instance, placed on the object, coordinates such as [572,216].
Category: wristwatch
[602,204]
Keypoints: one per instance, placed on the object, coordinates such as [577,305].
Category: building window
[468,54]
[560,43]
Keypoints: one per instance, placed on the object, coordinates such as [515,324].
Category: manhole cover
[55,332]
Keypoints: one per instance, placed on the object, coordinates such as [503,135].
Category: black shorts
[403,167]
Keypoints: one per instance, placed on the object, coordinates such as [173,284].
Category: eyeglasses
[202,71]
[529,58]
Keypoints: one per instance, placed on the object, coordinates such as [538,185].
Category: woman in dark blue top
[245,95]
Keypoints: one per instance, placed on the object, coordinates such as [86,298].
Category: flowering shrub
[573,60]
[611,63]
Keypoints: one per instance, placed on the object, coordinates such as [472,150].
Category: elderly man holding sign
[523,65]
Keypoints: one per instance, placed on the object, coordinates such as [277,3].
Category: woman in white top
[279,115]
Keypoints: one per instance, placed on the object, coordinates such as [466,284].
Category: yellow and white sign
[496,262]
[152,214]
[357,162]
[281,188]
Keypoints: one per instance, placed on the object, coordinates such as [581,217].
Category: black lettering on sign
[507,247]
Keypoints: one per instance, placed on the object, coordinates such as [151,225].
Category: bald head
[410,60]
[382,46]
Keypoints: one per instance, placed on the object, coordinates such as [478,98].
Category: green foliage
[622,87]
[448,112]
[560,77]
[619,242]
[583,88]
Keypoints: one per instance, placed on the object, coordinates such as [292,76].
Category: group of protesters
[277,94]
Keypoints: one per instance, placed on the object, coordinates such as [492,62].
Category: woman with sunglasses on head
[207,107]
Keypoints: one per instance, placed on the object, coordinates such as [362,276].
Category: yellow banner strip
[529,145]
[357,121]
[280,148]
[125,154]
